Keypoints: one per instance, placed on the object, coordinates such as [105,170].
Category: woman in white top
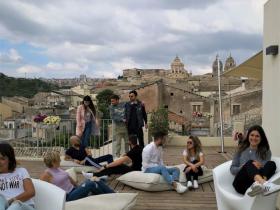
[16,187]
[193,158]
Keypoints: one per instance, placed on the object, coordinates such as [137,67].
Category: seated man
[134,156]
[153,163]
[83,156]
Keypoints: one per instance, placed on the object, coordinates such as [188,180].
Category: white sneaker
[189,184]
[180,188]
[256,189]
[195,184]
[269,188]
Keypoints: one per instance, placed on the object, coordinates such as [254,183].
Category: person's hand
[193,167]
[77,161]
[101,169]
[257,164]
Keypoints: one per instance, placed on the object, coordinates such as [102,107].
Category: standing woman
[16,187]
[193,158]
[252,165]
[87,122]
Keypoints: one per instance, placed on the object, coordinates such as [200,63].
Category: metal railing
[35,139]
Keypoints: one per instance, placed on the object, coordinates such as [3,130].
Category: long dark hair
[196,146]
[263,146]
[6,150]
[91,105]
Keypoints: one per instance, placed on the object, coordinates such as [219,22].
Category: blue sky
[66,38]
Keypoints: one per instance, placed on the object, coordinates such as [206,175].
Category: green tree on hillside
[103,102]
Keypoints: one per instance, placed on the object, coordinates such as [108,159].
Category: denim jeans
[16,205]
[83,190]
[86,135]
[169,174]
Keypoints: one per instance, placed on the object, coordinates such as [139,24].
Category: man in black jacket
[136,117]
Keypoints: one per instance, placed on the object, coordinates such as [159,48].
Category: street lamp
[220,107]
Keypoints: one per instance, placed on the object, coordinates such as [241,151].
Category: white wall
[271,76]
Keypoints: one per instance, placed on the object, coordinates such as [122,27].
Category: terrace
[202,198]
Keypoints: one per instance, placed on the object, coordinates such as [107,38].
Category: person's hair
[132,139]
[91,105]
[6,150]
[116,97]
[196,146]
[263,146]
[134,92]
[72,138]
[51,157]
[159,135]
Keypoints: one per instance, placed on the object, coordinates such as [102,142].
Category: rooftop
[202,198]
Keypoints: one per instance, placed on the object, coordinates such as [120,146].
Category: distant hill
[10,86]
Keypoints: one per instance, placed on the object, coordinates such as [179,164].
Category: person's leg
[118,139]
[162,170]
[121,169]
[90,161]
[140,137]
[105,158]
[268,170]
[3,202]
[18,205]
[125,138]
[82,191]
[175,172]
[245,177]
[104,188]
[86,135]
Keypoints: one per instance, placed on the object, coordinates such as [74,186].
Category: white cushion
[113,201]
[78,167]
[155,182]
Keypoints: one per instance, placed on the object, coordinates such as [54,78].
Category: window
[196,108]
[171,94]
[235,109]
[166,106]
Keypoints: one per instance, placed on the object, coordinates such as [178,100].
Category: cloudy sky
[66,38]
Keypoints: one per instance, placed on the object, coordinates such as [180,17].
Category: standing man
[117,113]
[136,117]
[152,162]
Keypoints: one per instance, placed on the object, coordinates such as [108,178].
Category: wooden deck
[202,198]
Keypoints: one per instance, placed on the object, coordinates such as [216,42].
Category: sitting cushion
[119,201]
[78,167]
[155,182]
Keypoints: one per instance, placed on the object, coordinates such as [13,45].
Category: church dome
[230,63]
[215,66]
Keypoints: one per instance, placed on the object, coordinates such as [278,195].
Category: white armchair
[48,196]
[228,199]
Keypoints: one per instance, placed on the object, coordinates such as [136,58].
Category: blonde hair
[51,157]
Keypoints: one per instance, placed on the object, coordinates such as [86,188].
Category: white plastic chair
[48,196]
[228,199]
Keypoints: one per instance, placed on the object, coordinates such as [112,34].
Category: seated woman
[252,165]
[16,187]
[55,175]
[193,158]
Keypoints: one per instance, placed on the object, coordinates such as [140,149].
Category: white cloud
[104,37]
[12,56]
[29,69]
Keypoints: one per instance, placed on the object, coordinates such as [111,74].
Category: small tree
[159,121]
[103,102]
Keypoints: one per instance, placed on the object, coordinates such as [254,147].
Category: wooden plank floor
[202,198]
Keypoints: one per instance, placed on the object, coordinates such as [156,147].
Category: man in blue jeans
[152,162]
[83,156]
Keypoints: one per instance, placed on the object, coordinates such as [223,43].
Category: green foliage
[10,86]
[103,102]
[159,121]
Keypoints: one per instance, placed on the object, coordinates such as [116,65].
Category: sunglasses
[189,142]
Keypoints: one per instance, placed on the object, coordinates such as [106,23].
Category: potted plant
[159,121]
